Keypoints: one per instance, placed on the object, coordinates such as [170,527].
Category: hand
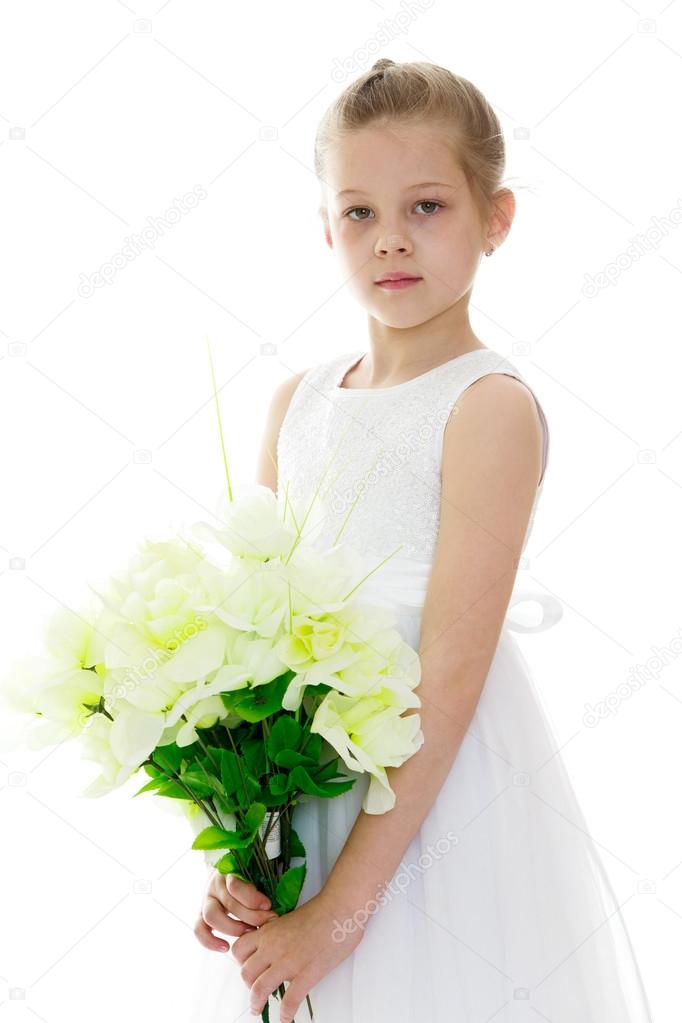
[301,946]
[224,895]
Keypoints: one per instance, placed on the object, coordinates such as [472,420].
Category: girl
[481,895]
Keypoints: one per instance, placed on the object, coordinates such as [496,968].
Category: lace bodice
[378,452]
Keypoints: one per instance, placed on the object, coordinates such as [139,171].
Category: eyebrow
[422,184]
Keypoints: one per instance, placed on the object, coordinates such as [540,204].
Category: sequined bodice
[373,455]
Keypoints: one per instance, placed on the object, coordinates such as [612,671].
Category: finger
[214,914]
[246,893]
[295,993]
[245,946]
[262,987]
[233,905]
[206,937]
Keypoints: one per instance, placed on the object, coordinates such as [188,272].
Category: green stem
[372,571]
[314,497]
[352,507]
[220,424]
[214,820]
[204,747]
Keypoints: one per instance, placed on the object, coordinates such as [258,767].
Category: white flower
[96,745]
[353,650]
[369,736]
[252,526]
[322,580]
[252,597]
[52,697]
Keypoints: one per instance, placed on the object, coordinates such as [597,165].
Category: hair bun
[382,63]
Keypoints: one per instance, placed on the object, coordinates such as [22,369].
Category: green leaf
[296,847]
[258,702]
[196,782]
[227,864]
[212,838]
[327,771]
[230,864]
[153,784]
[168,758]
[289,888]
[254,755]
[302,780]
[312,747]
[172,789]
[285,734]
[270,799]
[218,838]
[279,784]
[291,758]
[254,817]
[229,772]
[237,780]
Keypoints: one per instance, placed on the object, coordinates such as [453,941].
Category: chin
[399,320]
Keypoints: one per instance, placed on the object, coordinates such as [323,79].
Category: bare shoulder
[513,394]
[491,463]
[266,470]
[498,414]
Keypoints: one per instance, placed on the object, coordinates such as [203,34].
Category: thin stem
[204,748]
[314,497]
[286,500]
[373,570]
[352,507]
[214,819]
[220,424]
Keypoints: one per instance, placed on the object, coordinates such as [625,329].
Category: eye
[366,209]
[430,202]
[348,212]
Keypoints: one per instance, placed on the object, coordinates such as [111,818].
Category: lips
[397,282]
[396,275]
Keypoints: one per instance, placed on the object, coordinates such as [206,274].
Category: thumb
[247,893]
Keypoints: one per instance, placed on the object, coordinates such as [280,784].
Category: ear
[504,208]
[325,223]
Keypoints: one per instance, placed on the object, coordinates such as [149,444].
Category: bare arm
[266,468]
[491,467]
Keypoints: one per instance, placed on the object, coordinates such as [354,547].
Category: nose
[392,243]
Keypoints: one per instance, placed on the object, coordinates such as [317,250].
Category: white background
[109,428]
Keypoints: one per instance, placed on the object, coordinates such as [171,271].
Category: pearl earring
[490,251]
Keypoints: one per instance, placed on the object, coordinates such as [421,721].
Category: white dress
[501,910]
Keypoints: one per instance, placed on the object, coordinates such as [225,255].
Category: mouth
[397,282]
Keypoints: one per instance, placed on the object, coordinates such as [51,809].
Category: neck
[398,353]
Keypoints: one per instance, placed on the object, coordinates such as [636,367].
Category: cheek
[351,243]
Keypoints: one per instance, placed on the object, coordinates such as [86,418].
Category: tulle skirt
[501,909]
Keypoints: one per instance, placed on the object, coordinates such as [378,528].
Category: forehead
[376,158]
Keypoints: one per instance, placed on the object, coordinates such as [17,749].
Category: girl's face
[397,201]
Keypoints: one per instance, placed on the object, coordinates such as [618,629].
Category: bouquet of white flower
[237,689]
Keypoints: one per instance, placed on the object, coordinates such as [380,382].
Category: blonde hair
[393,93]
